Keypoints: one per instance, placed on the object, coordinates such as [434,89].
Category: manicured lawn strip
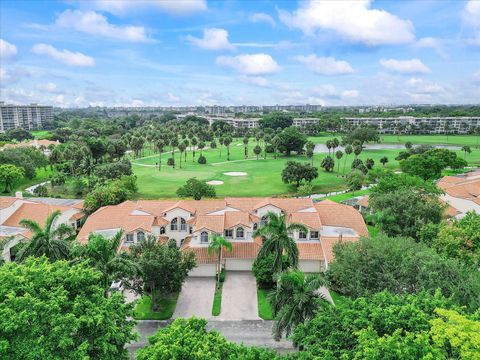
[217,301]
[264,307]
[41,176]
[143,310]
[41,134]
[342,197]
[339,300]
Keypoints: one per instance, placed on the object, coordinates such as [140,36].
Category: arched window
[162,230]
[204,237]
[255,226]
[183,224]
[240,233]
[263,220]
[173,224]
[140,236]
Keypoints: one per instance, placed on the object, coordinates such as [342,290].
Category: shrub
[41,191]
[170,162]
[202,160]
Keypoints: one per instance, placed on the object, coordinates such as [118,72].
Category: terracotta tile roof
[464,187]
[309,219]
[334,214]
[201,253]
[7,202]
[214,223]
[363,201]
[329,242]
[242,250]
[286,204]
[450,211]
[160,221]
[310,251]
[234,218]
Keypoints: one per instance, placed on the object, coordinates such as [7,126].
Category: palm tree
[51,241]
[339,155]
[384,160]
[181,148]
[245,143]
[194,143]
[227,141]
[348,151]
[217,244]
[173,145]
[328,163]
[102,254]
[159,144]
[294,301]
[276,240]
[466,149]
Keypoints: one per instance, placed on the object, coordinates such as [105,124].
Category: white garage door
[204,270]
[239,264]
[310,266]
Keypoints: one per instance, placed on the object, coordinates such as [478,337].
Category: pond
[322,148]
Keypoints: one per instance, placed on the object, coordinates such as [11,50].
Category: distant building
[251,123]
[423,125]
[27,117]
[462,191]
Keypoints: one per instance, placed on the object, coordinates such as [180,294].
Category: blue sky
[189,52]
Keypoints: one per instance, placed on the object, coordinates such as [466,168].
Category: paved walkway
[252,333]
[239,297]
[196,298]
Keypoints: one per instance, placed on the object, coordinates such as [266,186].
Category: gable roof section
[309,219]
[334,214]
[214,223]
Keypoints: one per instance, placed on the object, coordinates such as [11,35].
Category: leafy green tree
[369,163]
[103,254]
[111,193]
[296,172]
[361,135]
[355,180]
[51,241]
[328,163]
[305,190]
[55,310]
[291,139]
[10,174]
[339,155]
[402,204]
[264,271]
[162,268]
[460,239]
[384,160]
[466,149]
[276,120]
[294,301]
[400,265]
[276,240]
[381,326]
[216,246]
[188,339]
[196,189]
[257,150]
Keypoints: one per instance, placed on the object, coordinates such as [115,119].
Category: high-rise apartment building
[28,117]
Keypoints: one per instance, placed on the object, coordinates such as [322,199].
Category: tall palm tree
[276,240]
[102,254]
[294,301]
[217,245]
[50,241]
[466,149]
[159,144]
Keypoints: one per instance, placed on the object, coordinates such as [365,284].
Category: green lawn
[143,310]
[348,195]
[217,302]
[339,300]
[263,176]
[41,134]
[41,176]
[264,308]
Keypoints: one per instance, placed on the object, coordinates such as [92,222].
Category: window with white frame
[129,238]
[162,230]
[263,220]
[228,233]
[314,235]
[173,224]
[140,236]
[302,235]
[183,224]
[255,226]
[204,237]
[240,233]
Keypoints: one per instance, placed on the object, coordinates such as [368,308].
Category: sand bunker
[215,182]
[235,173]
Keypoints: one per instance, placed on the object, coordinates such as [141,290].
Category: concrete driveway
[196,298]
[239,297]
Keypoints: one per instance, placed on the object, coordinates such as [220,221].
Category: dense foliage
[188,339]
[400,265]
[295,172]
[196,189]
[58,311]
[112,193]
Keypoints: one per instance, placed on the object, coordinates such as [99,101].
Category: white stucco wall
[203,270]
[311,266]
[266,209]
[462,205]
[239,264]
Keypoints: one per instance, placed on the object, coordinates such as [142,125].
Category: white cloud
[349,94]
[471,18]
[431,43]
[213,39]
[353,20]
[329,91]
[64,56]
[123,7]
[50,87]
[325,65]
[420,86]
[7,50]
[250,64]
[90,22]
[12,76]
[412,66]
[255,80]
[262,17]
[172,98]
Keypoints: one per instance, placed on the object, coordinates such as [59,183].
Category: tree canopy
[196,189]
[276,120]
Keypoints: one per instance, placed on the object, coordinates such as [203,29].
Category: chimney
[19,195]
